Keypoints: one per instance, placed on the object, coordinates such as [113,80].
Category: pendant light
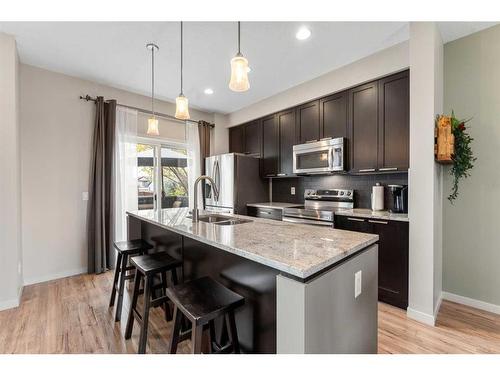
[152,121]
[239,70]
[181,102]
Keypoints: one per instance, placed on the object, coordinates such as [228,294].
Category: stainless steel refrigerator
[238,180]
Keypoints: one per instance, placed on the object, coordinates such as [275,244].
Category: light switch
[85,196]
[292,190]
[357,284]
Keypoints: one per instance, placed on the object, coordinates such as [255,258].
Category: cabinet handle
[281,174]
[378,222]
[367,170]
[266,212]
[312,141]
[355,219]
[270,175]
[388,169]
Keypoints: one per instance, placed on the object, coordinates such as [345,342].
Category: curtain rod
[158,114]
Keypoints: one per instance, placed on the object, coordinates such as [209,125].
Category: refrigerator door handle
[217,177]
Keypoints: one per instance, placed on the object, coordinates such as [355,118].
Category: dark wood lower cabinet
[392,255]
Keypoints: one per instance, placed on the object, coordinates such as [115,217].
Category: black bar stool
[150,266]
[202,301]
[125,249]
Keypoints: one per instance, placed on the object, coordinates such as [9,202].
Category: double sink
[222,219]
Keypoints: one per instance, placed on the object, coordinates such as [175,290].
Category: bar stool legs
[145,315]
[121,287]
[115,279]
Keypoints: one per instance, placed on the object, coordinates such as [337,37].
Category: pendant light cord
[182,41]
[239,52]
[153,81]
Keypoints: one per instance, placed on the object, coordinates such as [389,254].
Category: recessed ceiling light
[303,33]
[208,91]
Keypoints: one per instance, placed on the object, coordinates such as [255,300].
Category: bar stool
[150,267]
[202,301]
[125,249]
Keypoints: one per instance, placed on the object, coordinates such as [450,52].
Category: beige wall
[56,129]
[379,64]
[471,254]
[10,176]
[426,71]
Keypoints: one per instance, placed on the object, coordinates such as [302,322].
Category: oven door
[307,221]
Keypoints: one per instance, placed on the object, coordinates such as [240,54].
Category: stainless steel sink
[222,219]
[234,221]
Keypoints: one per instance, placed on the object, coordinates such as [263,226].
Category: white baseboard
[12,303]
[438,306]
[54,276]
[486,306]
[421,316]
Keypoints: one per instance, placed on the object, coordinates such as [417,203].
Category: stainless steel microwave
[319,157]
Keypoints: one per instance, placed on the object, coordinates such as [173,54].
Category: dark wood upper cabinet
[363,123]
[270,149]
[253,138]
[236,139]
[394,118]
[333,115]
[308,122]
[286,124]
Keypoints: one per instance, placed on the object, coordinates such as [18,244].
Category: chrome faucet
[195,213]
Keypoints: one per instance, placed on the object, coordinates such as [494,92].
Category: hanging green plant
[463,158]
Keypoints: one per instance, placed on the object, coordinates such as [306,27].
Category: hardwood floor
[71,315]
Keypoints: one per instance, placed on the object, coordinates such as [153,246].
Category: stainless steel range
[319,206]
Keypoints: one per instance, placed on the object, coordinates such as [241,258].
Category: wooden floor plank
[71,315]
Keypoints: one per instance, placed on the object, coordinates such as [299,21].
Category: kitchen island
[298,281]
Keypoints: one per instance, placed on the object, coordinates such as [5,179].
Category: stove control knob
[341,193]
[348,193]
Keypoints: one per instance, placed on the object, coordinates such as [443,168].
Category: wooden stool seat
[133,246]
[150,267]
[154,263]
[201,301]
[125,249]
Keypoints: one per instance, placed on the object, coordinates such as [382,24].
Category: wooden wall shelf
[444,141]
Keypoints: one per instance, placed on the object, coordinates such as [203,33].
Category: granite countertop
[369,214]
[278,205]
[297,249]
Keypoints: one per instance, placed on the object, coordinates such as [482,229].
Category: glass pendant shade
[153,126]
[239,74]
[181,108]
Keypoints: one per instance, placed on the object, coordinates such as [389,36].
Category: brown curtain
[204,132]
[99,213]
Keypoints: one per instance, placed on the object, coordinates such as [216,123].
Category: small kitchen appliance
[399,198]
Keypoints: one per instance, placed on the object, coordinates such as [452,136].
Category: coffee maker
[399,198]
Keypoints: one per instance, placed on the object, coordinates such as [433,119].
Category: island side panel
[323,315]
[256,320]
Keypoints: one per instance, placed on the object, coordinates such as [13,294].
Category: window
[162,168]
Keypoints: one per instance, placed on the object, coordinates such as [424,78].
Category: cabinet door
[333,116]
[308,121]
[394,122]
[392,261]
[270,149]
[253,138]
[363,116]
[355,224]
[236,139]
[286,123]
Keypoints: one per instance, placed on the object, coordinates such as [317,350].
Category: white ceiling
[114,53]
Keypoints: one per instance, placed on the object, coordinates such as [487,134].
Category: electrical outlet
[85,196]
[357,284]
[292,190]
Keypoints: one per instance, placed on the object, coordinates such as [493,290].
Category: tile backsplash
[362,185]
